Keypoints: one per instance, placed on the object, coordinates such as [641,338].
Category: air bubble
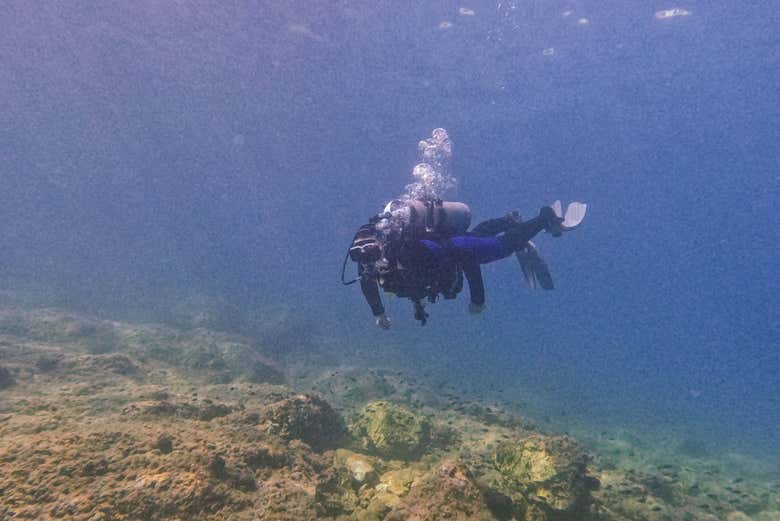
[432,178]
[671,13]
[423,171]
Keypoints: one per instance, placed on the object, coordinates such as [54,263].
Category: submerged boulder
[335,492]
[447,493]
[545,477]
[6,378]
[220,357]
[307,418]
[387,494]
[392,430]
[110,363]
[360,468]
[243,360]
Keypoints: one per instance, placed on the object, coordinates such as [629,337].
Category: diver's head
[366,247]
[365,251]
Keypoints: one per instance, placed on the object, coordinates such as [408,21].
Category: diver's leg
[482,249]
[495,226]
[519,235]
[493,248]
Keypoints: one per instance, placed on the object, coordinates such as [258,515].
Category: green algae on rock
[545,477]
[92,335]
[222,358]
[392,430]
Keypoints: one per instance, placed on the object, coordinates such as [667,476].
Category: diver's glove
[382,321]
[476,309]
[419,313]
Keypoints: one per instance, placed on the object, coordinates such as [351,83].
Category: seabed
[109,420]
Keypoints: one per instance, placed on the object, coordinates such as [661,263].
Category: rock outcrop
[545,477]
[306,418]
[448,493]
[392,430]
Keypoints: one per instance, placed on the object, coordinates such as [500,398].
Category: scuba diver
[421,249]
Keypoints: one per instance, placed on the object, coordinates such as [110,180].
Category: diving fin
[556,206]
[535,270]
[575,213]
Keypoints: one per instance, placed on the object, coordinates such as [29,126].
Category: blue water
[233,148]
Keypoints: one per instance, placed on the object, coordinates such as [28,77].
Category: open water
[152,149]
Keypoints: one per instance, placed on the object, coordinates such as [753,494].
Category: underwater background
[152,150]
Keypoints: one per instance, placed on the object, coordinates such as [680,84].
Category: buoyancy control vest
[395,231]
[404,224]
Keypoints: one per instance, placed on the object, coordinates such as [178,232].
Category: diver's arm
[370,288]
[474,277]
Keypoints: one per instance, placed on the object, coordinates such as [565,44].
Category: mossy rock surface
[220,357]
[545,474]
[392,430]
[94,336]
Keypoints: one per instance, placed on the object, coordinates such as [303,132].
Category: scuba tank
[420,218]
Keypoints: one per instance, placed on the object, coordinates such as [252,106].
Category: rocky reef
[307,418]
[392,430]
[107,420]
[545,477]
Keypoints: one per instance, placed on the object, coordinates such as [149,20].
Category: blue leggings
[483,249]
